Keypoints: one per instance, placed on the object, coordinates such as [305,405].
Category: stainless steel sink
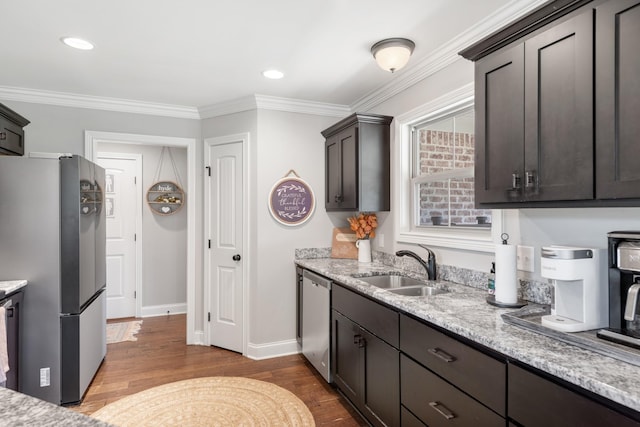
[391,281]
[418,291]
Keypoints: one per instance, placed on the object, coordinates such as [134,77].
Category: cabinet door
[333,173]
[499,107]
[342,171]
[347,352]
[618,99]
[381,396]
[11,138]
[559,112]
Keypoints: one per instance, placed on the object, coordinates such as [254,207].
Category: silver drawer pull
[442,355]
[442,410]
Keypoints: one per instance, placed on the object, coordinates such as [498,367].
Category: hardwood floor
[161,356]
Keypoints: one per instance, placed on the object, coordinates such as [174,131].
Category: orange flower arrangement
[364,225]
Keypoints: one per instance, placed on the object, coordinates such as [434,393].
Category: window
[442,172]
[434,178]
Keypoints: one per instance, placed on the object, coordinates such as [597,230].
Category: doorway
[93,139]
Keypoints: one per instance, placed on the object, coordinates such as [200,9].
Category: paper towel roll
[506,277]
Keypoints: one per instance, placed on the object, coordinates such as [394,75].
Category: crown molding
[447,54]
[96,103]
[239,105]
[266,102]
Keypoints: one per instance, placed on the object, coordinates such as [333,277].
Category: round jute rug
[211,401]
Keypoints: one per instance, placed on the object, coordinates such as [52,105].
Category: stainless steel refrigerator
[52,233]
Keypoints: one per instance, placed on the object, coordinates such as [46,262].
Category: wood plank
[160,356]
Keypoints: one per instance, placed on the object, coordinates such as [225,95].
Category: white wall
[279,141]
[286,141]
[164,237]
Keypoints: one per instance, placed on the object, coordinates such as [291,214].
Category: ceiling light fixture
[392,54]
[77,43]
[273,74]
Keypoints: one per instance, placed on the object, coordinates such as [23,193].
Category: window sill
[450,238]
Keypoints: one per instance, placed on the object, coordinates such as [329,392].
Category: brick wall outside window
[449,199]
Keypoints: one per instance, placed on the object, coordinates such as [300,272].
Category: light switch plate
[525,260]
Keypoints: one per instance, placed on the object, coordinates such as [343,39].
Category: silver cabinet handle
[516,181]
[337,198]
[442,355]
[442,410]
[530,179]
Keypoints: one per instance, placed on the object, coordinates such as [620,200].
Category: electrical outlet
[525,260]
[45,377]
[380,239]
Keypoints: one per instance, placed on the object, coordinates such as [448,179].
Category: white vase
[364,250]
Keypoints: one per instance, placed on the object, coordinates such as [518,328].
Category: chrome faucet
[429,265]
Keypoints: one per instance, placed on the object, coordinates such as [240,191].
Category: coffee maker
[624,287]
[579,288]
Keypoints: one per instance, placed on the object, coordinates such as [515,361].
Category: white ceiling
[199,53]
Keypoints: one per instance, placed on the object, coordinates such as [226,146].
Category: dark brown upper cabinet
[618,99]
[534,117]
[556,99]
[11,132]
[357,164]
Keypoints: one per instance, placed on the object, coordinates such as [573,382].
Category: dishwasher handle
[316,279]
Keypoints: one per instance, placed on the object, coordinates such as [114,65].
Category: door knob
[236,257]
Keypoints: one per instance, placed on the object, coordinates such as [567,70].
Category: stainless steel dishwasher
[316,324]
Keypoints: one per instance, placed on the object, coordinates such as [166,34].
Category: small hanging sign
[165,197]
[291,200]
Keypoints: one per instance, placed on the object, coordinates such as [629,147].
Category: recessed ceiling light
[273,74]
[77,43]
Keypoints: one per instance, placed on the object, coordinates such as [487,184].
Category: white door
[121,209]
[224,244]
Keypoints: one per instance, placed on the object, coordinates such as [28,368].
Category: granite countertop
[18,409]
[10,286]
[464,311]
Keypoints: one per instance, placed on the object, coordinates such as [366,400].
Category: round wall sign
[291,201]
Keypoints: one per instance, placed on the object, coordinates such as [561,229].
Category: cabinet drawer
[529,392]
[478,374]
[408,419]
[374,317]
[437,403]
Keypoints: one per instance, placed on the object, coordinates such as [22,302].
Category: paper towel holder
[491,299]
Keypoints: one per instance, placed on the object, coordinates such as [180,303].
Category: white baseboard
[198,338]
[273,349]
[163,310]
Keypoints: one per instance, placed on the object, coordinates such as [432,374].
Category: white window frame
[465,238]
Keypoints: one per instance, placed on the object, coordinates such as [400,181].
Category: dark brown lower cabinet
[366,371]
[536,401]
[437,403]
[408,419]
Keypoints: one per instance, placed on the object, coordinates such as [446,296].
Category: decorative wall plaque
[165,197]
[291,200]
